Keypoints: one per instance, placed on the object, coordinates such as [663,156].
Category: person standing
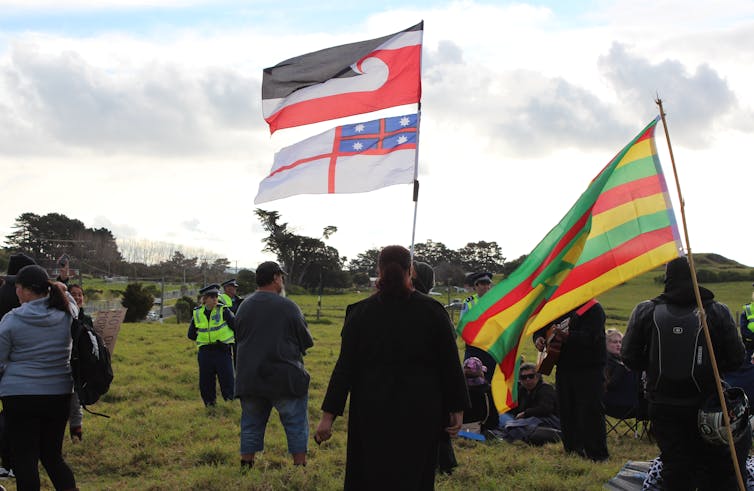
[229,297]
[482,282]
[272,338]
[423,280]
[36,386]
[664,338]
[580,380]
[399,363]
[747,326]
[8,297]
[212,327]
[8,302]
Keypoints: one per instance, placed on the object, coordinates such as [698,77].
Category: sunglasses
[528,376]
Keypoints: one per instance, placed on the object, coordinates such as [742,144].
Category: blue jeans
[294,415]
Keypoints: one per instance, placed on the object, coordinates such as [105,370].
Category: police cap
[230,282]
[211,289]
[482,277]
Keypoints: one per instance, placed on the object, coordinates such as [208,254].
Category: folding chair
[628,422]
[627,419]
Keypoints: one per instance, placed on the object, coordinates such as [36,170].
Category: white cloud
[160,130]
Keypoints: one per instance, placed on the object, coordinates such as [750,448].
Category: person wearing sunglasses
[535,420]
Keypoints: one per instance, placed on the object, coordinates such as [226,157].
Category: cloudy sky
[145,117]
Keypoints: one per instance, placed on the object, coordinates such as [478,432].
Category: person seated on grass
[483,414]
[535,420]
[621,397]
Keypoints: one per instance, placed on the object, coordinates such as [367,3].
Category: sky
[145,117]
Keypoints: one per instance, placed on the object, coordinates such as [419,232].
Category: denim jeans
[294,415]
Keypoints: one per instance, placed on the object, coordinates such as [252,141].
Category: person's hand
[540,343]
[64,272]
[561,334]
[324,428]
[520,415]
[76,434]
[454,426]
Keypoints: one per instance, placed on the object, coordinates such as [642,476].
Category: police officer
[747,326]
[482,282]
[212,327]
[229,296]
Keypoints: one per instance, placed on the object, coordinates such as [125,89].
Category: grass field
[160,436]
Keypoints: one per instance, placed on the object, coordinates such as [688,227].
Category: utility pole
[162,295]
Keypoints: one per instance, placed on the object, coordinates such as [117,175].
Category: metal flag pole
[416,181]
[702,314]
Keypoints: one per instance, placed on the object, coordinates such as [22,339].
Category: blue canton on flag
[378,135]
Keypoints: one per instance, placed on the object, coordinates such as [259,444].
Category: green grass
[160,436]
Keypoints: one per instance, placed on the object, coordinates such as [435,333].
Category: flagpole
[416,156]
[702,314]
[416,180]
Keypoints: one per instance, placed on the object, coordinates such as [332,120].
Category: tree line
[310,262]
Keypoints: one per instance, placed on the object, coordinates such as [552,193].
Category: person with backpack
[664,337]
[36,385]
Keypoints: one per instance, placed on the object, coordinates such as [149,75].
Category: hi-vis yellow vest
[467,304]
[749,316]
[212,330]
[226,300]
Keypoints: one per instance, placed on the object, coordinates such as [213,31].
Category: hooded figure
[663,338]
[423,277]
[8,298]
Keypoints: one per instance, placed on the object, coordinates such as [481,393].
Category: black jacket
[585,346]
[540,402]
[726,342]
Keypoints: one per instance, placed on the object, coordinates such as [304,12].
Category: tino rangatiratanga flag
[344,80]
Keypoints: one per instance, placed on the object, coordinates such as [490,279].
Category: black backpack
[682,370]
[91,366]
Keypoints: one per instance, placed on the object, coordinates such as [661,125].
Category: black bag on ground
[91,366]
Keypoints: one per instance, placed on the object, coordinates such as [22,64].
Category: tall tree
[47,237]
[365,263]
[296,253]
[434,253]
[482,256]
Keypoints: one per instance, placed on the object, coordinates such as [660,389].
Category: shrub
[138,301]
[183,308]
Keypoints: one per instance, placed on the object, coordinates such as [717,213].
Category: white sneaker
[6,473]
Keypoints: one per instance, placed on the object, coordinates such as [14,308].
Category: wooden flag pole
[702,314]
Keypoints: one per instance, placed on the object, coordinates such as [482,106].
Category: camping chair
[630,421]
[631,416]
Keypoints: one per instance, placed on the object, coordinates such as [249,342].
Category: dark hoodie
[424,280]
[8,298]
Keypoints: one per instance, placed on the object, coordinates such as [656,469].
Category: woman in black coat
[399,362]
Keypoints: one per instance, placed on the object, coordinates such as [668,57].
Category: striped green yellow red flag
[623,225]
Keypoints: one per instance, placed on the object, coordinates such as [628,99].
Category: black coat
[585,346]
[399,362]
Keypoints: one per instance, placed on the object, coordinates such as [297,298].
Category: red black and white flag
[344,80]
